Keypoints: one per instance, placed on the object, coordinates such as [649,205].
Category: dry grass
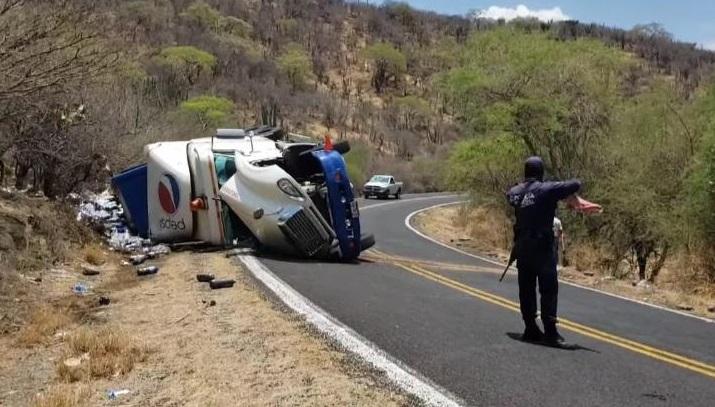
[43,323]
[585,257]
[62,396]
[484,229]
[108,351]
[94,255]
[486,225]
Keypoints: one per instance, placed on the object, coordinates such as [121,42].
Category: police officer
[534,203]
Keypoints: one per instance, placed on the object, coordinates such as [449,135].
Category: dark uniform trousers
[536,262]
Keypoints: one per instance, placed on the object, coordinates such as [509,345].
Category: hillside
[159,69]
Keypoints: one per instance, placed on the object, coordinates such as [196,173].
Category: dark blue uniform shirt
[535,202]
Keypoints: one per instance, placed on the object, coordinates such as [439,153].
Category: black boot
[551,335]
[532,333]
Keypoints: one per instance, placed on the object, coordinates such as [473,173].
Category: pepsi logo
[169,196]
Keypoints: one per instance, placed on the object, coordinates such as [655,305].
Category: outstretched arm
[564,189]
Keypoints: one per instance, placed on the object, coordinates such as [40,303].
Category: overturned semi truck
[292,197]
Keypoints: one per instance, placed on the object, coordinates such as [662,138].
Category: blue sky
[687,20]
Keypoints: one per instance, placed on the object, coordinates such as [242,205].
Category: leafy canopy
[208,110]
[183,56]
[296,65]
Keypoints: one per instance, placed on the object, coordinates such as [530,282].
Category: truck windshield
[380,178]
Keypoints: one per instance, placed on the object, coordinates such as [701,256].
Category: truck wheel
[397,194]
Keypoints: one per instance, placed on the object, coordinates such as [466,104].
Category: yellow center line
[658,354]
[376,255]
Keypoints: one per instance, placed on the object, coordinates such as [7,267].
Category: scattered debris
[114,394]
[138,259]
[204,278]
[588,273]
[216,284]
[88,270]
[684,307]
[80,289]
[104,301]
[212,303]
[609,278]
[156,250]
[145,271]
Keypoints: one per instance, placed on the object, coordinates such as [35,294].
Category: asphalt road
[456,326]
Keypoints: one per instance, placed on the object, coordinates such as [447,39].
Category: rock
[88,270]
[684,307]
[145,271]
[644,284]
[588,273]
[204,278]
[104,301]
[711,309]
[216,284]
[137,259]
[212,303]
[609,278]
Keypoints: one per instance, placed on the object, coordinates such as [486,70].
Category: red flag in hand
[579,204]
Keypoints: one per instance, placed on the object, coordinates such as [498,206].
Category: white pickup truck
[382,186]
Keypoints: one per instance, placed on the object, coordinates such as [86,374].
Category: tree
[46,48]
[209,111]
[203,15]
[296,65]
[388,64]
[555,97]
[180,68]
[189,61]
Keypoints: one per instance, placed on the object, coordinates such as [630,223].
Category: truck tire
[367,241]
[397,194]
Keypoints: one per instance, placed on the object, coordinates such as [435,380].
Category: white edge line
[424,198]
[408,223]
[400,374]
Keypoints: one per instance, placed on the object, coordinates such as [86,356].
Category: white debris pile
[104,213]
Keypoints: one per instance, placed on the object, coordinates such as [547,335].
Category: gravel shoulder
[190,346]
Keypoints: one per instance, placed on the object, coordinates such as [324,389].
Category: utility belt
[533,234]
[530,242]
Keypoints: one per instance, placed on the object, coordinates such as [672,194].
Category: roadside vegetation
[641,145]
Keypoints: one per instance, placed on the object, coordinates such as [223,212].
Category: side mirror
[343,147]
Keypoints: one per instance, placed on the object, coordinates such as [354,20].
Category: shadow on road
[566,346]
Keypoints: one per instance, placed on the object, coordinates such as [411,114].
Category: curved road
[445,315]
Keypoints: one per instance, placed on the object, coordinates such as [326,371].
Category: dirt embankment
[167,339]
[487,233]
